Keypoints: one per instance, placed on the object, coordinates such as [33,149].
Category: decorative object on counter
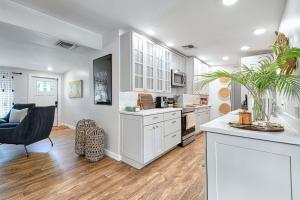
[224,80]
[224,94]
[262,127]
[94,144]
[132,108]
[224,108]
[265,81]
[75,89]
[145,101]
[102,72]
[80,133]
[245,118]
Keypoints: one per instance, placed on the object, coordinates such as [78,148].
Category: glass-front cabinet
[138,62]
[149,65]
[159,63]
[167,71]
[145,65]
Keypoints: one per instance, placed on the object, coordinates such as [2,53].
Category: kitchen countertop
[151,111]
[220,125]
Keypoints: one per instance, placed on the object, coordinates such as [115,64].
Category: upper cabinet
[195,68]
[145,65]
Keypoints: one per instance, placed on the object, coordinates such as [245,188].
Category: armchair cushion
[9,125]
[16,116]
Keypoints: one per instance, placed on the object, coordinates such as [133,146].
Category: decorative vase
[259,110]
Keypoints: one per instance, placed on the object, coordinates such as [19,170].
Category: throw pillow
[16,116]
[2,121]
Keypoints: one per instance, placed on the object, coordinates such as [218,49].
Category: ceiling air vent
[189,46]
[66,45]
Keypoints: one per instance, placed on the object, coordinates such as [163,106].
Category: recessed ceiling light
[259,31]
[245,48]
[150,32]
[229,2]
[50,68]
[170,44]
[225,58]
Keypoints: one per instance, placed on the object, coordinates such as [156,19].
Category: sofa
[36,126]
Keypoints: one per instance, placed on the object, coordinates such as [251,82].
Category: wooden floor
[58,173]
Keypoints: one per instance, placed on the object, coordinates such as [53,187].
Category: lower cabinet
[153,141]
[202,117]
[143,142]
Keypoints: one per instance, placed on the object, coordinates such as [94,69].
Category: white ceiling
[215,30]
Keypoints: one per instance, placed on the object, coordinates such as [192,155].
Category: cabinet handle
[173,136]
[173,122]
[156,126]
[174,114]
[155,118]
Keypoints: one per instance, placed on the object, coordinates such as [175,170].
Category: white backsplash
[130,98]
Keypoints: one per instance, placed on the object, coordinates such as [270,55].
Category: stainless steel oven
[178,78]
[188,126]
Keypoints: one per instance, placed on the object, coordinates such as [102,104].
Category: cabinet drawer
[172,140]
[152,119]
[172,126]
[172,115]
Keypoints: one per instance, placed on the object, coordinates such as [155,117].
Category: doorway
[43,91]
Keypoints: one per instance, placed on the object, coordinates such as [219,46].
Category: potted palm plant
[269,77]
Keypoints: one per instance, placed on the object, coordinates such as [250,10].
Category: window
[6,93]
[44,87]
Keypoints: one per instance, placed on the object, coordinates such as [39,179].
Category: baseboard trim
[68,125]
[112,155]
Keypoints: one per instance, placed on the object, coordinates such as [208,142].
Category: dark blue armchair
[34,127]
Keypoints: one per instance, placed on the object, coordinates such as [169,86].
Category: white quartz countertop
[151,111]
[220,125]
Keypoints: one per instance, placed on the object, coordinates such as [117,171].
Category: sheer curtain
[6,92]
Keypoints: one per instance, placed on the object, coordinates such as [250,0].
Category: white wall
[105,116]
[291,27]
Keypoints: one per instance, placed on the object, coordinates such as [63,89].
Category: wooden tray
[224,108]
[224,93]
[273,128]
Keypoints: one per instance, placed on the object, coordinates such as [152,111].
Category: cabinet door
[149,64]
[159,63]
[138,62]
[167,71]
[159,139]
[149,146]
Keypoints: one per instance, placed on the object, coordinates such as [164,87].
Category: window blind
[6,93]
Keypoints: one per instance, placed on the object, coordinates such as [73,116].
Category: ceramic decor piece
[224,108]
[224,94]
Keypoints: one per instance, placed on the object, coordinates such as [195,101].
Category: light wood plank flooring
[58,173]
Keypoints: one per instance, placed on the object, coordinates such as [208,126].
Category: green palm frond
[266,76]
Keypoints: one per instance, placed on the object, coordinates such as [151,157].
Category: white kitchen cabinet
[178,62]
[159,63]
[167,71]
[195,68]
[244,168]
[153,141]
[145,138]
[202,117]
[149,65]
[145,65]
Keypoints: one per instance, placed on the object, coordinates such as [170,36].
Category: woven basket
[94,146]
[80,134]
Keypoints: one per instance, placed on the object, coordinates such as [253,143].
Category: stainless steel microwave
[178,78]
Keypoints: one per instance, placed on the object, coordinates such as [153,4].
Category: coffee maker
[161,102]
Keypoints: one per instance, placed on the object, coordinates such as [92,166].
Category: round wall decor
[224,93]
[224,108]
[224,80]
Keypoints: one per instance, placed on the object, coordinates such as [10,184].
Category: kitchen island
[248,165]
